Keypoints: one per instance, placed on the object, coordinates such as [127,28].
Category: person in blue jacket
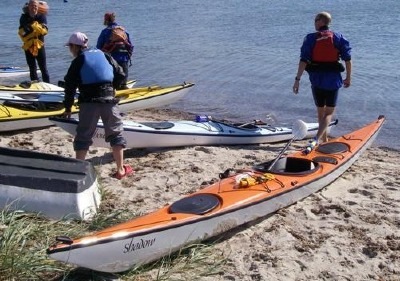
[320,56]
[115,40]
[95,74]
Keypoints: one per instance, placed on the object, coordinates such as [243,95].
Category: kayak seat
[289,166]
[251,126]
[159,125]
[333,147]
[197,204]
[248,126]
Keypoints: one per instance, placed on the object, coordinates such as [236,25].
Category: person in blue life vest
[115,40]
[32,29]
[95,74]
[320,56]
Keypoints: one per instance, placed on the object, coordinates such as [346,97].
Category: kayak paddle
[299,130]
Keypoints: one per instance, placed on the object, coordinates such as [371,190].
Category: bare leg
[118,154]
[325,115]
[81,154]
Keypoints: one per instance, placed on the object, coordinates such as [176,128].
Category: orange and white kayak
[237,198]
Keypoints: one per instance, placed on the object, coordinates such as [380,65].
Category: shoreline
[346,231]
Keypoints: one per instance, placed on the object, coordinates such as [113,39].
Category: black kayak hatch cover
[197,204]
[333,148]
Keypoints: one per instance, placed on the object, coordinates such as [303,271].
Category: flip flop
[128,171]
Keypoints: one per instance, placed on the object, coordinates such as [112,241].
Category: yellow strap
[269,176]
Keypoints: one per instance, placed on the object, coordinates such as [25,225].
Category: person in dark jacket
[115,40]
[95,74]
[32,29]
[320,56]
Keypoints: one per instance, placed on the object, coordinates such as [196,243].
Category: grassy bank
[25,237]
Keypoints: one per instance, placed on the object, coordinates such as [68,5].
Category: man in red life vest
[320,56]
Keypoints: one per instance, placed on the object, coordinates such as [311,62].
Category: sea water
[242,55]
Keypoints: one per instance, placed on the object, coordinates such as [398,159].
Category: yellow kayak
[16,115]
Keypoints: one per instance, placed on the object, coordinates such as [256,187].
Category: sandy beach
[348,231]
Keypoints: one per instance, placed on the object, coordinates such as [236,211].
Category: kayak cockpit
[289,166]
[163,125]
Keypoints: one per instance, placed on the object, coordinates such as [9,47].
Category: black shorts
[325,97]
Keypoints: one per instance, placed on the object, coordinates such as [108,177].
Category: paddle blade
[299,129]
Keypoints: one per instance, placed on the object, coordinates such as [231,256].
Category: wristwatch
[297,78]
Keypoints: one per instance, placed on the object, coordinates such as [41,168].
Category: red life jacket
[324,49]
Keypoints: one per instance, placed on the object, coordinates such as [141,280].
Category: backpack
[118,34]
[118,41]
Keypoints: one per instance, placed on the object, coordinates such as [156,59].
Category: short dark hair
[325,17]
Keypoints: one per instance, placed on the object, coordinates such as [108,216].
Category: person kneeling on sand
[95,74]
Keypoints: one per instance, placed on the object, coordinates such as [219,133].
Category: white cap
[78,38]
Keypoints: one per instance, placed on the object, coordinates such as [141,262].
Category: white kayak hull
[13,71]
[22,124]
[190,133]
[53,186]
